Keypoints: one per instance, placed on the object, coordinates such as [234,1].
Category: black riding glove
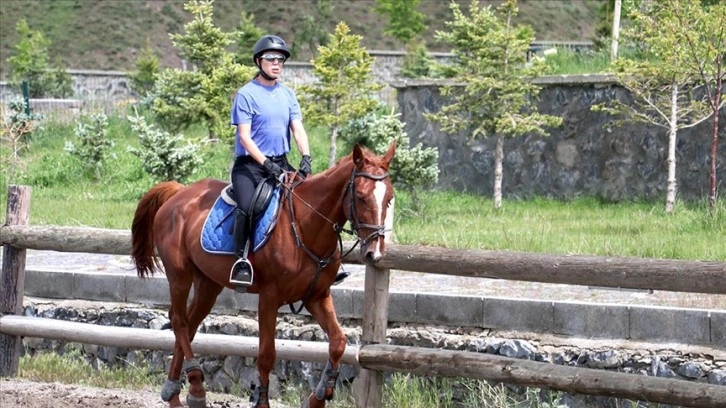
[305,166]
[272,168]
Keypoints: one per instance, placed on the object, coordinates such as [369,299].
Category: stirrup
[241,282]
[340,277]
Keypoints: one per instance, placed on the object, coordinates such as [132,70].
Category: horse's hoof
[196,402]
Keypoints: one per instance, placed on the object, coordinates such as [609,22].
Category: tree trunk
[714,141]
[672,135]
[615,31]
[333,143]
[498,159]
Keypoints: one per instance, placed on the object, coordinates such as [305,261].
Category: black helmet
[269,43]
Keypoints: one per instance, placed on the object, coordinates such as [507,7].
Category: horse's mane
[339,164]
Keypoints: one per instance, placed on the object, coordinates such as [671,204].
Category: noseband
[379,230]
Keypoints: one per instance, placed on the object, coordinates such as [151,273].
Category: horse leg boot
[241,274]
[196,397]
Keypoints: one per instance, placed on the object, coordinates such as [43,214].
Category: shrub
[412,167]
[94,144]
[162,155]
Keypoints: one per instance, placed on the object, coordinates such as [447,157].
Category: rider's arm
[245,131]
[301,137]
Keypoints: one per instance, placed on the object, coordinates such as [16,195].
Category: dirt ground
[16,393]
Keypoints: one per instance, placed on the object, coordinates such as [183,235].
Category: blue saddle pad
[217,231]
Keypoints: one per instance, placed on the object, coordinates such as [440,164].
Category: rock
[517,349]
[690,370]
[604,359]
[717,377]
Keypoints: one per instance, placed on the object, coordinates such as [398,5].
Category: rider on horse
[266,113]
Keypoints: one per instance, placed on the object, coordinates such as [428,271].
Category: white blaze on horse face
[379,192]
[389,221]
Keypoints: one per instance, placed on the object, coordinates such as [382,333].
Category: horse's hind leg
[323,311]
[205,295]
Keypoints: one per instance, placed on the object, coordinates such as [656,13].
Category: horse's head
[370,201]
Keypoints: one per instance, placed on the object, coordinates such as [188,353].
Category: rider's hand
[273,169]
[305,166]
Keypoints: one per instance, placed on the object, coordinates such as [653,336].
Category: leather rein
[356,225]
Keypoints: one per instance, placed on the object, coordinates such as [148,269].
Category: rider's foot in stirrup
[241,273]
[341,275]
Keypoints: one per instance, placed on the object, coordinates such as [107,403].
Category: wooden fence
[374,357]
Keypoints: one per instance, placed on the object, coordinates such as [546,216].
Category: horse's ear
[390,153]
[357,155]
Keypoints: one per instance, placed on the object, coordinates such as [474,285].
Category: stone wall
[224,373]
[586,156]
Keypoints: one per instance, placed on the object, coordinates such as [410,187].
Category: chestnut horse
[299,261]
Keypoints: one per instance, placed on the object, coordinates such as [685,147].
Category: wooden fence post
[12,279]
[368,386]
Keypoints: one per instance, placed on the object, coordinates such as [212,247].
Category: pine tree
[345,88]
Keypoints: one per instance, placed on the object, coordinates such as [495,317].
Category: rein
[321,263]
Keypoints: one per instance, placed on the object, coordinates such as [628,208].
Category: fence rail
[374,357]
[615,272]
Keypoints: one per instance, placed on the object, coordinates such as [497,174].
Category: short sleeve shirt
[270,111]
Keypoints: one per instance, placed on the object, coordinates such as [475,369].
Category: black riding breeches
[247,174]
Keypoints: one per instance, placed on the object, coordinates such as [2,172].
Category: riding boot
[241,273]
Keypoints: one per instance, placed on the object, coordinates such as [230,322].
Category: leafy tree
[404,22]
[246,36]
[662,86]
[413,167]
[344,90]
[163,156]
[498,96]
[94,145]
[311,30]
[202,95]
[146,73]
[31,62]
[702,31]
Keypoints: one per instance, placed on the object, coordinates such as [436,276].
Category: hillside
[107,34]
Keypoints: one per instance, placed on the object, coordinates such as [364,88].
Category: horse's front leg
[323,311]
[267,312]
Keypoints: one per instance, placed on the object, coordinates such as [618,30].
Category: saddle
[216,237]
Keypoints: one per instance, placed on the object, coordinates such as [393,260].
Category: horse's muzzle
[373,251]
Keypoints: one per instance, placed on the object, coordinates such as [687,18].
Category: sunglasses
[273,57]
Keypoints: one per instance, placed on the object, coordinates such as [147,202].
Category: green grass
[64,193]
[401,390]
[68,367]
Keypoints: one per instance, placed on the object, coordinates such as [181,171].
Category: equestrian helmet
[270,43]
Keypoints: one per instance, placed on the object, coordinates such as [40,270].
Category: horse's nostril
[370,258]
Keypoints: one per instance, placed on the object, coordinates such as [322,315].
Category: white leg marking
[379,193]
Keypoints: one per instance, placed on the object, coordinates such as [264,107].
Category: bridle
[378,229]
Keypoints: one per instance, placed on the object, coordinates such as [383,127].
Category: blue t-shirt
[270,110]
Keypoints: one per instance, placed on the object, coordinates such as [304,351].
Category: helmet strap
[263,73]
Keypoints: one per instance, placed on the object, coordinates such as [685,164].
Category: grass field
[63,193]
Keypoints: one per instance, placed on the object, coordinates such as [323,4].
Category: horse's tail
[142,228]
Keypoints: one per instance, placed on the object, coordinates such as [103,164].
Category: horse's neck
[325,191]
